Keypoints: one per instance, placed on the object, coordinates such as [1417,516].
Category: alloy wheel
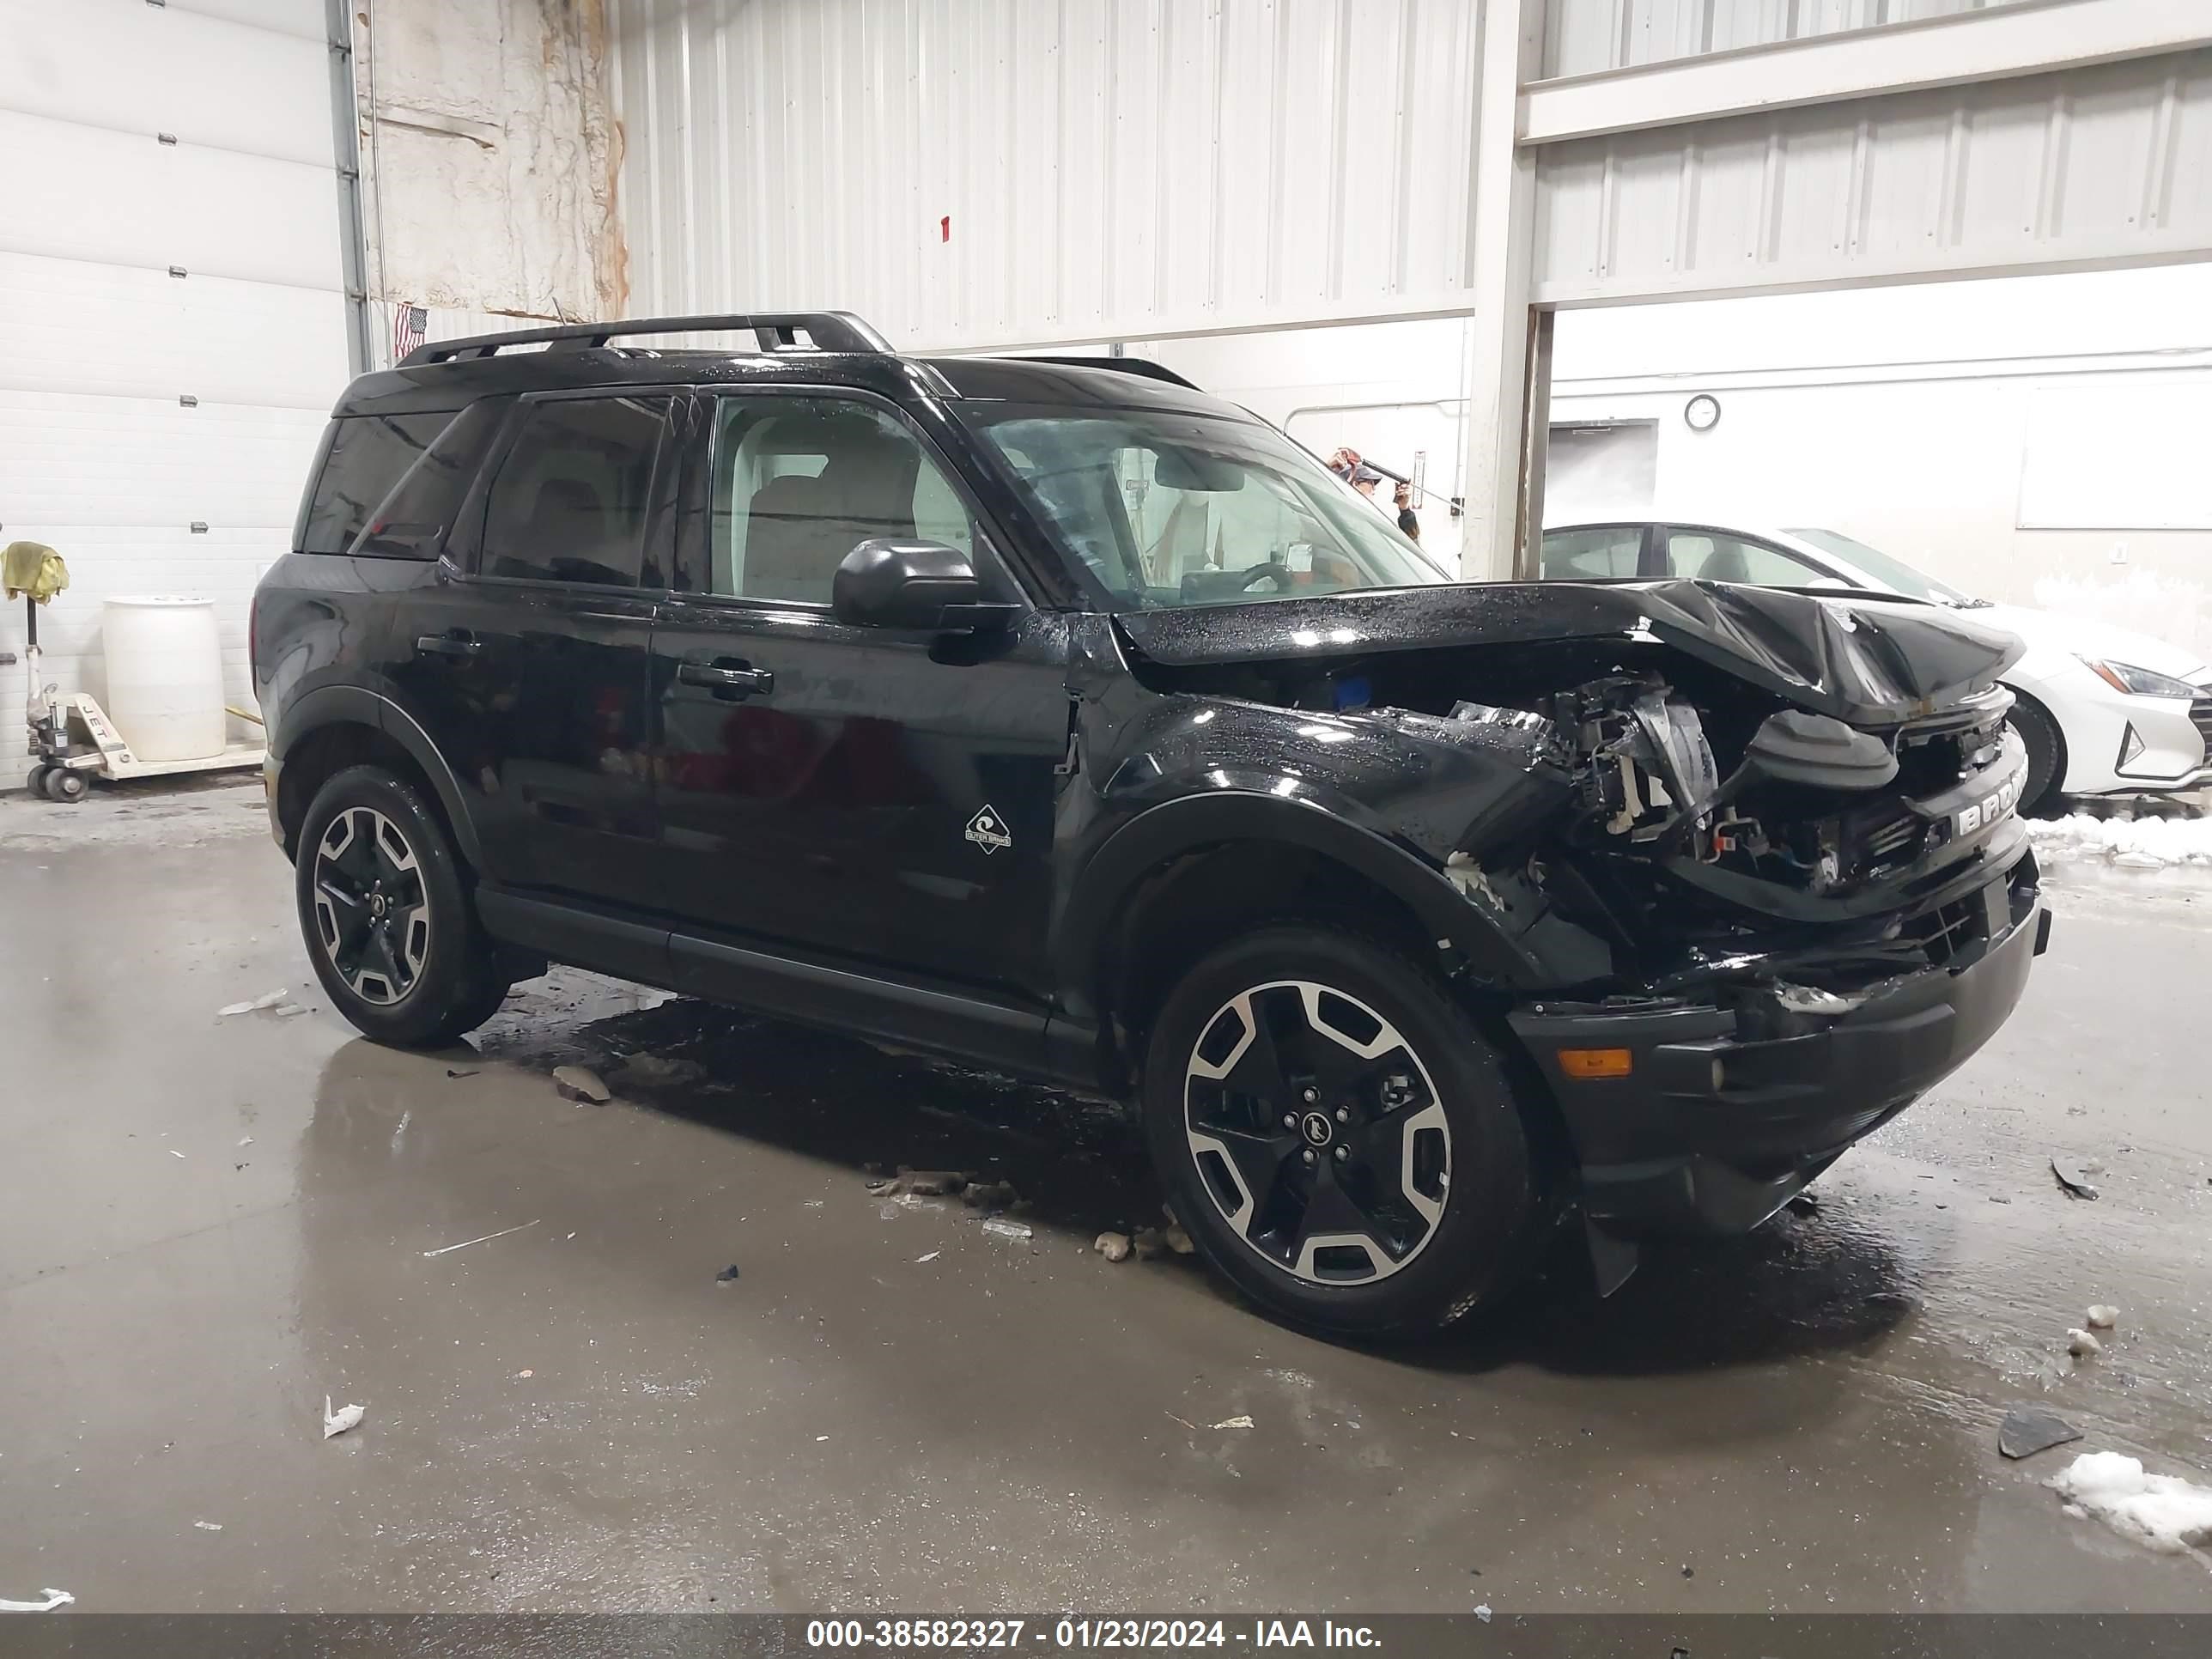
[372,911]
[1317,1133]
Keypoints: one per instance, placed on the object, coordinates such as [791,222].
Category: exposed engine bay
[1704,828]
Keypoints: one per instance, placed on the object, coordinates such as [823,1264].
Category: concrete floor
[209,1225]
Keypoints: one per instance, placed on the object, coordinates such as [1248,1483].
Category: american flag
[408,323]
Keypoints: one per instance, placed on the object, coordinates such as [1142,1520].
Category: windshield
[1895,572]
[1164,508]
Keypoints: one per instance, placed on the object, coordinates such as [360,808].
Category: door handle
[448,645]
[728,677]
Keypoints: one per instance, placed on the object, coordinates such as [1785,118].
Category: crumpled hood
[1867,661]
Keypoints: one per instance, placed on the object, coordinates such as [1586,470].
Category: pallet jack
[73,741]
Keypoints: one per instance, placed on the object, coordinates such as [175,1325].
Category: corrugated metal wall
[1584,36]
[2097,165]
[964,171]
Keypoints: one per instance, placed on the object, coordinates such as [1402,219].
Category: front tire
[2046,757]
[386,914]
[1339,1135]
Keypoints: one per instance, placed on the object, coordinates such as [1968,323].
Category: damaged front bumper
[1711,1113]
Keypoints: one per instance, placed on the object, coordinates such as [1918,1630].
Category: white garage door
[172,313]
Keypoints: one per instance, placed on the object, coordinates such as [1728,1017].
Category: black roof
[451,374]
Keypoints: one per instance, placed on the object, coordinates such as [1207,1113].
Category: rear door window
[1714,555]
[1592,554]
[576,498]
[363,456]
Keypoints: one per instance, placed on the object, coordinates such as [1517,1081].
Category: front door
[849,791]
[530,666]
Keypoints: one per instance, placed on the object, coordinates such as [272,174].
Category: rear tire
[386,912]
[1339,1135]
[2047,756]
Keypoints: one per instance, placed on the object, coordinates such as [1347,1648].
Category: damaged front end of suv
[1739,868]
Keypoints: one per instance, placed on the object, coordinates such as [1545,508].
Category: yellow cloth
[32,568]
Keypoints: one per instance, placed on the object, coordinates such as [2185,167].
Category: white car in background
[2103,711]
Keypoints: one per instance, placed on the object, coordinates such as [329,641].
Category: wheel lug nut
[1342,1153]
[1344,1115]
[1290,1120]
[1309,1155]
[1311,1096]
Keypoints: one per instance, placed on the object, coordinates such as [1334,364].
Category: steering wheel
[1274,568]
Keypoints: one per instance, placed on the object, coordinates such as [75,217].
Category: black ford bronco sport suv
[1052,715]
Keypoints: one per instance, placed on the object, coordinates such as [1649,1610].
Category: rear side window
[574,500]
[364,455]
[412,521]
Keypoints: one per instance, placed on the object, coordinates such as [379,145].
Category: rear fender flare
[352,705]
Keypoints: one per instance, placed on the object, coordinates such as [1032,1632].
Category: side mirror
[916,585]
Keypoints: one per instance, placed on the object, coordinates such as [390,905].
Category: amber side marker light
[1588,1063]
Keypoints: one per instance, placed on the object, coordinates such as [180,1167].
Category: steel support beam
[1939,51]
[1500,519]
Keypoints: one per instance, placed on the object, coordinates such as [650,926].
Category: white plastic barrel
[165,676]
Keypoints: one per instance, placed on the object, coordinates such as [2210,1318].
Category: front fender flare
[1158,834]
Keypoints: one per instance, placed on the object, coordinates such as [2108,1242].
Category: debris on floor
[581,1086]
[931,1183]
[1234,1423]
[2082,1344]
[1007,1229]
[917,1183]
[728,1275]
[1803,1203]
[524,1376]
[450,1072]
[990,1195]
[656,1072]
[2073,1178]
[1177,1240]
[337,1422]
[930,1256]
[2103,1316]
[209,1526]
[54,1599]
[447,1249]
[2161,1512]
[271,1000]
[1115,1247]
[1149,1242]
[1482,1611]
[2027,1429]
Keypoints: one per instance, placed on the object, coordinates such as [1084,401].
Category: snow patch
[2130,843]
[2161,1512]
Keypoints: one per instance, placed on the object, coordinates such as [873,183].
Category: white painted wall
[1905,416]
[136,273]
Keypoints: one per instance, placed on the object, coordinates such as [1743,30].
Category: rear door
[856,792]
[528,662]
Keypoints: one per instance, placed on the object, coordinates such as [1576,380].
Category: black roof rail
[1144,366]
[776,331]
